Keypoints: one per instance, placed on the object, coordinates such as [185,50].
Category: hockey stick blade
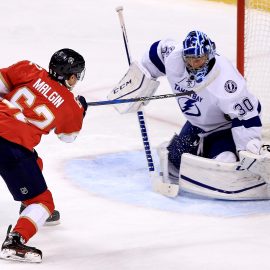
[119,101]
[166,189]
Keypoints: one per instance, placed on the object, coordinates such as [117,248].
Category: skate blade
[9,254]
[52,223]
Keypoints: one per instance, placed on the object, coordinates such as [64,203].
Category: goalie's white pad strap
[220,180]
[136,83]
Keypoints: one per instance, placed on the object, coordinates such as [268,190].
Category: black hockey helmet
[65,63]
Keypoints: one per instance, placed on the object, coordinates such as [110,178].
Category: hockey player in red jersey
[34,102]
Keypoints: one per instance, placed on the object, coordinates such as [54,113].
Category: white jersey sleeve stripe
[154,57]
[252,122]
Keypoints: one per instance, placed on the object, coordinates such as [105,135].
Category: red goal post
[253,50]
[240,35]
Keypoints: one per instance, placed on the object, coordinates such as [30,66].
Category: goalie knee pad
[226,156]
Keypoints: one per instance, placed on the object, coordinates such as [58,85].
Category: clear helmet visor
[80,75]
[196,63]
[70,83]
[197,66]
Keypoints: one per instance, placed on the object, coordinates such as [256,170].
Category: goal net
[253,51]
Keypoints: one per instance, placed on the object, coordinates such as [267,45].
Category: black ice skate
[53,219]
[14,249]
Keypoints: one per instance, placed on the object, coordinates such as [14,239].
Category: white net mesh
[257,54]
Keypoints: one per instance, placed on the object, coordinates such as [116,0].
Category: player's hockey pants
[20,171]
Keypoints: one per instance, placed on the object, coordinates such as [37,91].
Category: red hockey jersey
[33,104]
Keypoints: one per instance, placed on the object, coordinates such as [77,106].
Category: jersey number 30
[244,107]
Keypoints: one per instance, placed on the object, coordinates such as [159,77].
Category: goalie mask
[198,50]
[65,63]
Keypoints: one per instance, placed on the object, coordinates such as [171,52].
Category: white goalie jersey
[220,101]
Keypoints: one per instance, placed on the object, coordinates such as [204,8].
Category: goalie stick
[119,101]
[201,86]
[156,180]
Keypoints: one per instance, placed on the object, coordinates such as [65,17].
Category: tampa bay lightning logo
[188,106]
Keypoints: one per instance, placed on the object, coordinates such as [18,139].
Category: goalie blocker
[137,82]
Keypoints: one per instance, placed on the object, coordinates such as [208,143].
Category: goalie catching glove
[137,82]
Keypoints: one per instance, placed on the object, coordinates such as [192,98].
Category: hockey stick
[157,183]
[213,76]
[119,101]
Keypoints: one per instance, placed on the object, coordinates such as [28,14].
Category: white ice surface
[111,220]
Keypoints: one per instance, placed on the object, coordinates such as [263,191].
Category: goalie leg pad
[220,180]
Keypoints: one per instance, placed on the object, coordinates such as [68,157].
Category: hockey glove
[83,102]
[137,82]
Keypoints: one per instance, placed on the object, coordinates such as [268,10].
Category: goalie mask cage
[253,51]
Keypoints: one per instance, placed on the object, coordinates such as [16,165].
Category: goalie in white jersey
[222,134]
[222,116]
